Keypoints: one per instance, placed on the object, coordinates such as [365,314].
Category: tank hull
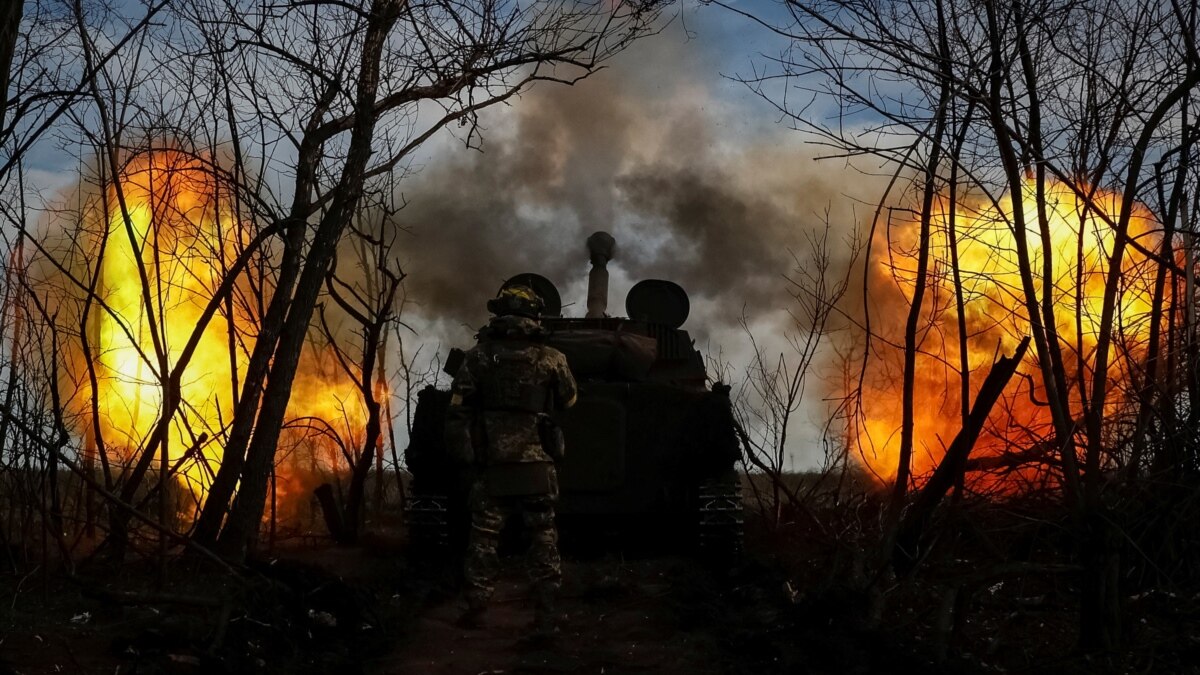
[645,442]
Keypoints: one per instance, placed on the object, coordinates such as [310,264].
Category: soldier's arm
[460,415]
[565,387]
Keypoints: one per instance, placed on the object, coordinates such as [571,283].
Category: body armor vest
[510,382]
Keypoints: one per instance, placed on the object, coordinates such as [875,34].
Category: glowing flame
[166,233]
[166,236]
[996,319]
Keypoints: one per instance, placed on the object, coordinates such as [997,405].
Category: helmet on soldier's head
[516,300]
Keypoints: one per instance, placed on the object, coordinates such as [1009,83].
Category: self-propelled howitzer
[650,446]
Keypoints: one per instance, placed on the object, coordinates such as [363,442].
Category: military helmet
[516,300]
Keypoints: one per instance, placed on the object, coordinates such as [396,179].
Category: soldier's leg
[545,567]
[481,565]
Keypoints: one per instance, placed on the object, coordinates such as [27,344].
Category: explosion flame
[164,238]
[996,319]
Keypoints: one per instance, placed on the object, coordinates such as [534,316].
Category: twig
[102,491]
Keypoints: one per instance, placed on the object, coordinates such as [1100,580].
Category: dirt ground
[353,610]
[360,610]
[368,609]
[618,617]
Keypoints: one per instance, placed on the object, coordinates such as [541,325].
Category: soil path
[619,617]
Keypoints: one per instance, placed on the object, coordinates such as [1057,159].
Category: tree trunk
[1149,392]
[358,479]
[1100,605]
[907,422]
[208,525]
[10,24]
[241,528]
[330,512]
[906,550]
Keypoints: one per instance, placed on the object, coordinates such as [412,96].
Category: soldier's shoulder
[479,353]
[506,348]
[550,354]
[507,351]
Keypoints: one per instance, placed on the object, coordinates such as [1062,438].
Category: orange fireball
[996,319]
[163,239]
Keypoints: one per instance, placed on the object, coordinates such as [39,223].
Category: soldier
[500,427]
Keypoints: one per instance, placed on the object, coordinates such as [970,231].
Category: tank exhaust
[600,246]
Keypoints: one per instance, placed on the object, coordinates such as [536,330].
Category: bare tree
[298,117]
[1024,107]
[347,91]
[775,386]
[367,295]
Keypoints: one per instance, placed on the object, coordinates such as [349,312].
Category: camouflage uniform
[498,422]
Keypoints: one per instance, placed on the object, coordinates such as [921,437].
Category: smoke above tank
[724,215]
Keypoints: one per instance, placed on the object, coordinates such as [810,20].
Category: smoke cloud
[710,194]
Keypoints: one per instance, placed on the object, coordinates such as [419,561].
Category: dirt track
[620,617]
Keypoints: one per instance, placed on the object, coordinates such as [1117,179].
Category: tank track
[428,520]
[720,519]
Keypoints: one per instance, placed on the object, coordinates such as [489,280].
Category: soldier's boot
[472,617]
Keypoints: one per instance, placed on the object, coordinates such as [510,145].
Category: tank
[651,446]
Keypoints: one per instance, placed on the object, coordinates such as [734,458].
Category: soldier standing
[500,427]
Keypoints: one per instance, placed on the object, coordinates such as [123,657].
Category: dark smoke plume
[712,196]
